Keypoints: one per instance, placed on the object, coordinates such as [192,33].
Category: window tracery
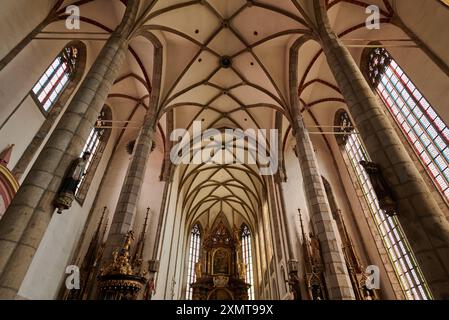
[194,257]
[389,228]
[248,259]
[422,126]
[56,78]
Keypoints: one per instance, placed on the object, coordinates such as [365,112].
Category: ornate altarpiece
[220,273]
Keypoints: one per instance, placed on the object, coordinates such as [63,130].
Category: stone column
[336,273]
[29,214]
[168,166]
[132,185]
[129,195]
[423,222]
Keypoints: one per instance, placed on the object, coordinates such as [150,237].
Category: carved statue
[315,250]
[198,271]
[149,289]
[237,236]
[74,174]
[242,268]
[295,288]
[315,287]
[381,188]
[221,262]
[66,194]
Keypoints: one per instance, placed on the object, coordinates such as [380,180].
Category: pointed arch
[247,256]
[193,257]
[420,124]
[73,68]
[58,76]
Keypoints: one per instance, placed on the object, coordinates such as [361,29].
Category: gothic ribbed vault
[249,91]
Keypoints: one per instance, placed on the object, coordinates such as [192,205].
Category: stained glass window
[194,257]
[389,228]
[423,127]
[53,82]
[248,259]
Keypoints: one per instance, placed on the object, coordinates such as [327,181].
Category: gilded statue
[221,262]
[198,271]
[242,270]
[120,259]
[237,237]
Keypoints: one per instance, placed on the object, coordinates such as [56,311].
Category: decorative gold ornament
[198,271]
[120,259]
[119,280]
[221,281]
[64,201]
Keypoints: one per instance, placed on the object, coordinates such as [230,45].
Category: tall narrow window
[95,145]
[248,259]
[401,256]
[53,82]
[424,129]
[194,257]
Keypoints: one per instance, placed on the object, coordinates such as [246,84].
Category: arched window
[53,82]
[73,60]
[389,228]
[95,144]
[423,128]
[248,259]
[194,257]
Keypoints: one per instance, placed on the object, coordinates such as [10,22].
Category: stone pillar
[168,166]
[131,189]
[336,273]
[129,195]
[423,222]
[29,214]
